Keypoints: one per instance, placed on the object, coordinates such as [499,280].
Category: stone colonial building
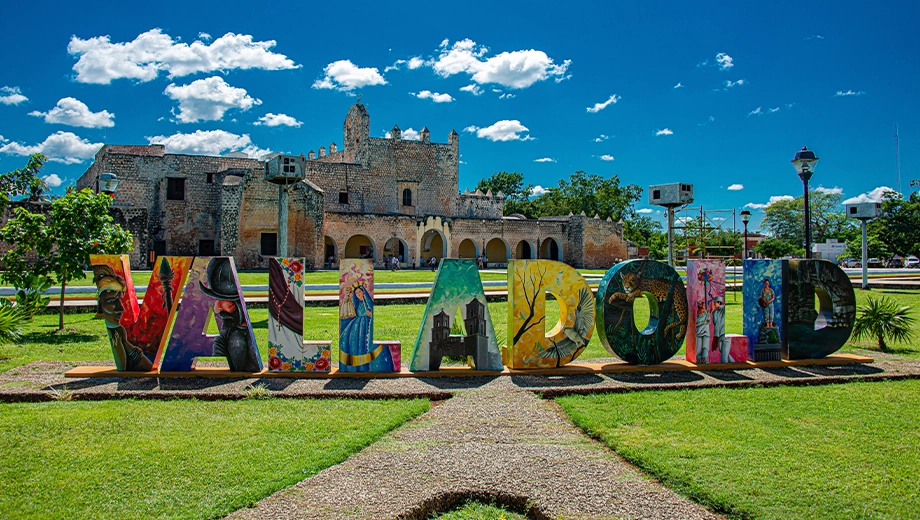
[373,197]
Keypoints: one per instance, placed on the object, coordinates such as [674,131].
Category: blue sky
[521,82]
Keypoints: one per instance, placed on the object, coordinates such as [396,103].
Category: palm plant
[11,321]
[884,320]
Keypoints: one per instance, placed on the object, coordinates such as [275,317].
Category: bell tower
[357,130]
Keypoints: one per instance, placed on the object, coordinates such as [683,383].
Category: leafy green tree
[24,182]
[517,194]
[56,247]
[784,219]
[875,247]
[899,223]
[591,194]
[778,248]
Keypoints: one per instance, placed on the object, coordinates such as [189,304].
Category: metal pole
[282,221]
[865,257]
[807,223]
[745,243]
[671,236]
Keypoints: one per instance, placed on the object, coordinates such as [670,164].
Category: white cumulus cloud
[53,180]
[346,76]
[606,157]
[12,96]
[664,131]
[409,134]
[875,195]
[679,85]
[73,112]
[773,200]
[601,138]
[730,84]
[517,69]
[756,112]
[836,190]
[645,211]
[545,159]
[434,96]
[843,93]
[472,88]
[602,105]
[724,61]
[208,142]
[537,191]
[63,147]
[208,99]
[101,61]
[270,119]
[504,130]
[736,187]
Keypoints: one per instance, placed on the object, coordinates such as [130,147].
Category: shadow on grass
[787,372]
[138,384]
[841,370]
[57,338]
[194,383]
[656,378]
[261,324]
[273,384]
[82,384]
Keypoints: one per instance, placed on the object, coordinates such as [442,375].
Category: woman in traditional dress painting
[356,342]
[110,288]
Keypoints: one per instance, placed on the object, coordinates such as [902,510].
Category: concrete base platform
[570,369]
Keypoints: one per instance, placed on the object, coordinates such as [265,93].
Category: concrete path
[494,443]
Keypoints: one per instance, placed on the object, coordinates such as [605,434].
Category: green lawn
[85,338]
[479,511]
[175,459]
[837,451]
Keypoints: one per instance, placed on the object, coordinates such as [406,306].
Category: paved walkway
[493,443]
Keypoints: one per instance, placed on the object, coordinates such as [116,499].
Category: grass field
[479,511]
[84,338]
[839,451]
[177,459]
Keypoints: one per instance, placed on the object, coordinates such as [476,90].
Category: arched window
[407,197]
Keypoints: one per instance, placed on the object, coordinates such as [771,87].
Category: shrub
[884,320]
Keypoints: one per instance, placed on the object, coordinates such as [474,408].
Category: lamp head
[745,216]
[805,161]
[108,183]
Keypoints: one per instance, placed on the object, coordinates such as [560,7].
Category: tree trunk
[61,307]
[881,343]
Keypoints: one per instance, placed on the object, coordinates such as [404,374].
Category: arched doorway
[360,246]
[523,251]
[396,247]
[330,251]
[467,249]
[433,245]
[551,250]
[497,252]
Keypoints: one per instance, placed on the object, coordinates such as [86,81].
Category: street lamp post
[804,162]
[745,218]
[108,183]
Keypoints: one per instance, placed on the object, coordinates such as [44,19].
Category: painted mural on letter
[358,352]
[529,344]
[213,289]
[153,320]
[764,309]
[456,286]
[660,284]
[813,333]
[287,350]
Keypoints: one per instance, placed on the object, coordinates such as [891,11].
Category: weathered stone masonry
[374,196]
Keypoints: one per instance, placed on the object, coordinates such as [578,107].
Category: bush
[884,320]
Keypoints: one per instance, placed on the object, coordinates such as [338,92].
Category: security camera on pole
[864,212]
[670,196]
[284,170]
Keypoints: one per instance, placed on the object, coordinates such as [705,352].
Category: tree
[784,219]
[23,182]
[517,194]
[57,246]
[778,248]
[591,194]
[899,223]
[640,230]
[875,247]
[883,319]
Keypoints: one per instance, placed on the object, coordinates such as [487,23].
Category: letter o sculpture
[667,297]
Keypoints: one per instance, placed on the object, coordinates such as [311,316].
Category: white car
[912,262]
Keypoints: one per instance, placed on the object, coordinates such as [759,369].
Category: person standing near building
[718,329]
[702,332]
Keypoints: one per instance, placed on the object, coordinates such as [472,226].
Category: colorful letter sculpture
[213,287]
[764,308]
[661,285]
[456,286]
[287,351]
[707,340]
[358,352]
[530,346]
[811,333]
[137,336]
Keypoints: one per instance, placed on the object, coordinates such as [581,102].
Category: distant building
[829,250]
[372,198]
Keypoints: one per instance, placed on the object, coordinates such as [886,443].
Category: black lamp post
[804,162]
[745,218]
